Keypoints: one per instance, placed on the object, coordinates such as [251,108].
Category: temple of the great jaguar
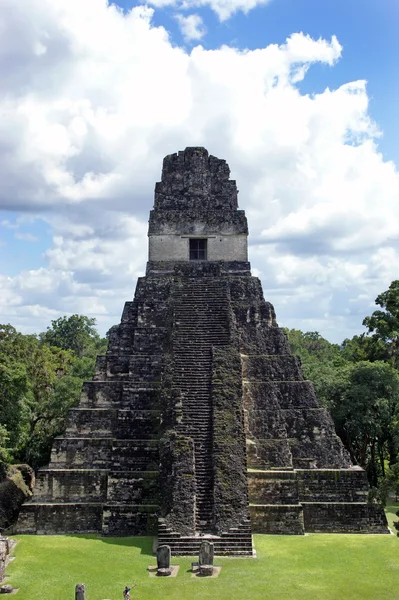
[198,421]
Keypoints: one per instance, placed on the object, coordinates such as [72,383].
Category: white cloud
[192,27]
[26,237]
[223,8]
[91,101]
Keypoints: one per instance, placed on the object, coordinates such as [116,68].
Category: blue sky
[367,30]
[92,98]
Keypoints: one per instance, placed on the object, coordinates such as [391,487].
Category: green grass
[312,567]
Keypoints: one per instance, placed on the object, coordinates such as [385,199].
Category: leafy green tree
[32,409]
[5,456]
[384,324]
[365,412]
[44,409]
[322,362]
[364,347]
[40,379]
[389,484]
[76,333]
[14,386]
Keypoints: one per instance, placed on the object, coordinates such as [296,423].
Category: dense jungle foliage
[358,381]
[40,379]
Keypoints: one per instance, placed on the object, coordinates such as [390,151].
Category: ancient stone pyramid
[198,421]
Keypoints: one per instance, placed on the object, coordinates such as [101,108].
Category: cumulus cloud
[223,8]
[192,27]
[92,99]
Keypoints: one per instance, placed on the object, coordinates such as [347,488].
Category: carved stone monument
[3,556]
[163,560]
[5,548]
[199,396]
[6,589]
[80,591]
[206,558]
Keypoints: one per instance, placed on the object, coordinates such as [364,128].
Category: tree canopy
[40,379]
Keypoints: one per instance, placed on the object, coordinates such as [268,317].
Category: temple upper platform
[195,216]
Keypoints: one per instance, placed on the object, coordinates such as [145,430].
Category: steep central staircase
[201,322]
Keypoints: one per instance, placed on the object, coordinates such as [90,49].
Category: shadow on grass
[143,543]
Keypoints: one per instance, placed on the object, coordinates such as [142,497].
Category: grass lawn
[311,567]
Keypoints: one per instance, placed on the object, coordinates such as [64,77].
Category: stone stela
[80,591]
[163,560]
[206,558]
[198,421]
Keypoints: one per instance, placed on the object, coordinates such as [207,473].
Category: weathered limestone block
[273,487]
[101,394]
[247,292]
[332,485]
[71,486]
[148,339]
[277,368]
[197,221]
[312,436]
[137,424]
[259,338]
[129,314]
[60,518]
[160,269]
[140,397]
[145,368]
[265,454]
[274,395]
[81,453]
[343,517]
[132,487]
[134,455]
[278,519]
[121,337]
[86,422]
[313,423]
[100,369]
[117,366]
[128,520]
[266,424]
[119,394]
[193,178]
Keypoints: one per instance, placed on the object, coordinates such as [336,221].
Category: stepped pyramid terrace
[198,421]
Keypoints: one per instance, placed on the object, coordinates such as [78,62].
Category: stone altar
[198,420]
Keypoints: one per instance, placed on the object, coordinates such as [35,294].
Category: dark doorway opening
[198,249]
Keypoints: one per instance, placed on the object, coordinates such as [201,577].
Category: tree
[5,456]
[364,347]
[76,333]
[365,414]
[40,381]
[32,409]
[322,362]
[384,324]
